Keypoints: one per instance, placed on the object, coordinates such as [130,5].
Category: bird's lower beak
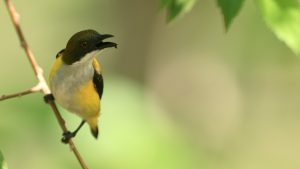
[103,45]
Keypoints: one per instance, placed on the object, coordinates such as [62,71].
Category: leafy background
[198,92]
[1,160]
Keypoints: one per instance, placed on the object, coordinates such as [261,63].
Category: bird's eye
[84,44]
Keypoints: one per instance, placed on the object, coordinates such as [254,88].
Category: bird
[76,80]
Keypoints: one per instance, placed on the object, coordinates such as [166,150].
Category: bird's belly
[81,99]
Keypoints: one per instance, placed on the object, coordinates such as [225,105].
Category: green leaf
[176,7]
[2,162]
[283,17]
[230,9]
[164,3]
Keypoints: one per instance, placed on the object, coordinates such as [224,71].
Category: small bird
[76,80]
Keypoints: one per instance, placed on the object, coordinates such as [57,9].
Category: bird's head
[84,45]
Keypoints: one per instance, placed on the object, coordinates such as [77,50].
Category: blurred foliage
[283,17]
[230,9]
[2,162]
[176,7]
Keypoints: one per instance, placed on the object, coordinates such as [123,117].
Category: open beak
[103,45]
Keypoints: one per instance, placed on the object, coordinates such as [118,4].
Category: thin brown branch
[23,93]
[40,77]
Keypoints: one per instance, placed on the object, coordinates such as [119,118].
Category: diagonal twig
[40,77]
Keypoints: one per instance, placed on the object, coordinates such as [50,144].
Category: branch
[15,17]
[34,89]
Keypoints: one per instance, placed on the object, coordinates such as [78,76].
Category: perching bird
[76,79]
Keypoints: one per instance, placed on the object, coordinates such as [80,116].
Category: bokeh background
[183,95]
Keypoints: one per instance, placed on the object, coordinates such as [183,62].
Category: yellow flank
[89,101]
[55,67]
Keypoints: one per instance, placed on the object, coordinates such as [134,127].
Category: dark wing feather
[98,83]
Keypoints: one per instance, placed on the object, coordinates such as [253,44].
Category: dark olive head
[84,42]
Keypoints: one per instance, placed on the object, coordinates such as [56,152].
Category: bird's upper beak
[102,45]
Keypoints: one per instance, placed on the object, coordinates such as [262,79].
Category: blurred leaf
[164,3]
[230,9]
[2,162]
[176,7]
[283,17]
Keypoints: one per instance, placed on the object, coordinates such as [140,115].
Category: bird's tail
[95,131]
[93,123]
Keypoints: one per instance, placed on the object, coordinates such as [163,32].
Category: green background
[183,95]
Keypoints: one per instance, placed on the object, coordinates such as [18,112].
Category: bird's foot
[67,136]
[48,97]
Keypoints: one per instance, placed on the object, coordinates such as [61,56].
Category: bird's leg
[68,135]
[78,128]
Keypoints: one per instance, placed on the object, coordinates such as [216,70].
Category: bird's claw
[48,97]
[67,136]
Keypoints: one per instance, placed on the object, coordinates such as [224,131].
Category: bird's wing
[59,53]
[98,79]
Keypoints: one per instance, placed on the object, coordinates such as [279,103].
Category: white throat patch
[88,57]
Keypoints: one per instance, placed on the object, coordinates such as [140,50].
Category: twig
[23,93]
[40,77]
